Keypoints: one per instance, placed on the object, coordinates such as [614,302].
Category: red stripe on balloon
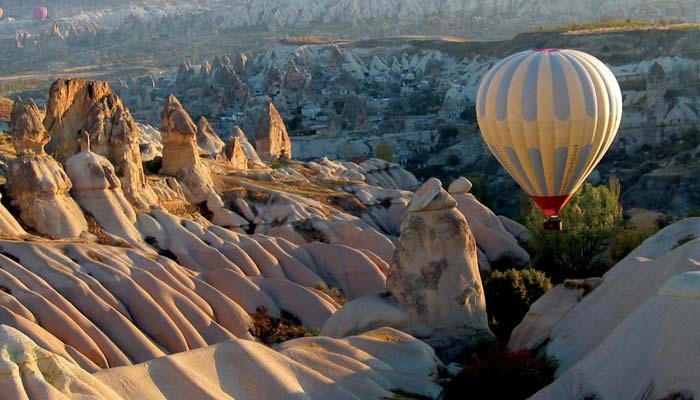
[551,205]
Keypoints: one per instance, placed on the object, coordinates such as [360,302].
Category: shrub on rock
[270,330]
[509,295]
[502,375]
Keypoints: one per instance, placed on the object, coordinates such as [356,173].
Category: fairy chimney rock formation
[36,183]
[181,156]
[234,154]
[28,134]
[179,132]
[97,189]
[209,143]
[78,105]
[254,160]
[435,274]
[239,63]
[271,138]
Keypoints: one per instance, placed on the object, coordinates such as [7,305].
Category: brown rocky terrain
[5,110]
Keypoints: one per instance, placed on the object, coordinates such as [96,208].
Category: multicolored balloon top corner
[549,116]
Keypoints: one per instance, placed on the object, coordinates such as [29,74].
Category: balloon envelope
[41,13]
[2,12]
[549,116]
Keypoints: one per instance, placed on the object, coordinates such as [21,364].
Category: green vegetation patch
[502,375]
[509,295]
[270,330]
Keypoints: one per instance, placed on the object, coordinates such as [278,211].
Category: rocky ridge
[473,18]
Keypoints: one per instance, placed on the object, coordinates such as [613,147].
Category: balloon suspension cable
[553,223]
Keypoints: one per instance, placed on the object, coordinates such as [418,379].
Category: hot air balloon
[2,12]
[41,13]
[549,116]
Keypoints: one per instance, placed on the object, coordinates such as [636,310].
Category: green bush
[335,293]
[590,220]
[685,239]
[384,151]
[509,295]
[506,261]
[536,283]
[280,163]
[271,330]
[502,375]
[452,160]
[628,239]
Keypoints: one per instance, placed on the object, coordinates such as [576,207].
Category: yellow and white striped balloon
[549,116]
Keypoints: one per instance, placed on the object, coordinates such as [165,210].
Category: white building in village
[310,111]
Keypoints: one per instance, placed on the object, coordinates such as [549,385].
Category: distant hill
[474,18]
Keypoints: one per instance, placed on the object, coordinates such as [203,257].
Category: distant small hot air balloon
[549,116]
[2,12]
[41,13]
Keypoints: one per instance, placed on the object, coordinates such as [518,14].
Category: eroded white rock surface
[630,283]
[368,366]
[543,316]
[207,140]
[653,350]
[34,372]
[492,237]
[371,366]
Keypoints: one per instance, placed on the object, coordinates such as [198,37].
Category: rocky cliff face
[191,273]
[216,79]
[78,105]
[5,113]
